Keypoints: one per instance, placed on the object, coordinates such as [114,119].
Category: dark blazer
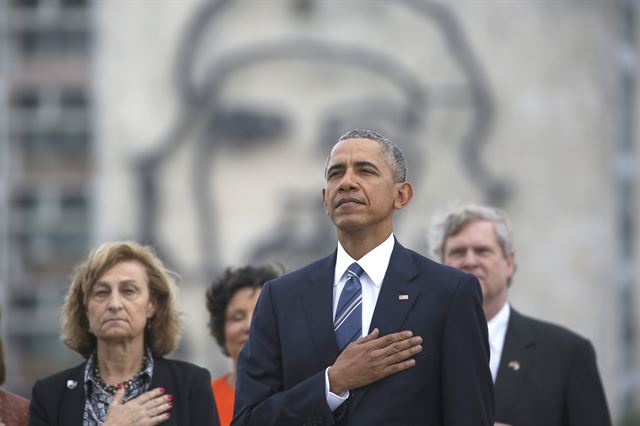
[56,401]
[281,371]
[548,376]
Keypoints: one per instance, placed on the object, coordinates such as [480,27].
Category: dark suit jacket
[53,403]
[548,377]
[281,371]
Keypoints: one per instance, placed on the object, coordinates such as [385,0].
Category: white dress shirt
[374,264]
[497,331]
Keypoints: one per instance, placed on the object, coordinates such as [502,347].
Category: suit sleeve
[467,387]
[586,403]
[261,398]
[37,415]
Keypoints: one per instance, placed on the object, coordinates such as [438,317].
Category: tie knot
[355,270]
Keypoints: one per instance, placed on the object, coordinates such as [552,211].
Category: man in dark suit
[423,359]
[544,374]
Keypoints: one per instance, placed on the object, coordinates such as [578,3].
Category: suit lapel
[397,296]
[73,397]
[162,378]
[515,362]
[317,304]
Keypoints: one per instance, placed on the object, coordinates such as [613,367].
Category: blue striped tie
[348,320]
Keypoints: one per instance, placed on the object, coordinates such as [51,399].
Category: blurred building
[46,170]
[201,127]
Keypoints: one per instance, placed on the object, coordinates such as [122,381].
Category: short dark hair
[395,156]
[222,290]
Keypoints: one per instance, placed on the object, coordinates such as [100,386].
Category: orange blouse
[223,394]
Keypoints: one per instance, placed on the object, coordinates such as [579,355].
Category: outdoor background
[202,127]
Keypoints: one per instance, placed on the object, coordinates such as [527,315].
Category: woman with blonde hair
[120,315]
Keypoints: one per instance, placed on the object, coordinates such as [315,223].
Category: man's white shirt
[497,331]
[374,264]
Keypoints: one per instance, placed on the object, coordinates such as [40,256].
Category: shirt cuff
[333,400]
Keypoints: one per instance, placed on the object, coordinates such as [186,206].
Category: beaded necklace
[112,389]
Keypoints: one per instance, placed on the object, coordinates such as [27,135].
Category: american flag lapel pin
[403,297]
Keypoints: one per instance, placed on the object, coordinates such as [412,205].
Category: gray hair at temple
[395,156]
[449,223]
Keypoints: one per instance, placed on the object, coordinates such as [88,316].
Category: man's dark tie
[348,320]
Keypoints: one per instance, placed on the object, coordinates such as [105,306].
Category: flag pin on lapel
[71,384]
[403,297]
[515,365]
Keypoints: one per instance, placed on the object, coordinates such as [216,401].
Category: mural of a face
[261,109]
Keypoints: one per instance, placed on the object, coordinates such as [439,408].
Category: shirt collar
[374,263]
[497,327]
[146,372]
